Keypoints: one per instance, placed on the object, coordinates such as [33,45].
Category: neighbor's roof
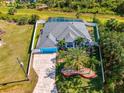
[55,30]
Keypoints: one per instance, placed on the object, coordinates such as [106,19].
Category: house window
[70,44]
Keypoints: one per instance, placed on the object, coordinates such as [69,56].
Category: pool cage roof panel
[62,19]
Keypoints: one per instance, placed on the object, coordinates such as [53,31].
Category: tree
[78,41]
[33,19]
[12,11]
[120,9]
[76,59]
[61,44]
[112,53]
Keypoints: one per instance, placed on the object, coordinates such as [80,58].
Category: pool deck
[44,66]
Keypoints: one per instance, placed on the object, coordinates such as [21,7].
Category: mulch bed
[84,72]
[60,60]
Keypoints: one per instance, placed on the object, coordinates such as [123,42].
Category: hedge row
[20,19]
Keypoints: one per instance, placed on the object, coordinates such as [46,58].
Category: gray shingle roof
[70,37]
[69,31]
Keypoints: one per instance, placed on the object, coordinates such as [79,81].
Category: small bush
[31,6]
[23,21]
[33,19]
[15,19]
[12,11]
[111,25]
[5,17]
[19,6]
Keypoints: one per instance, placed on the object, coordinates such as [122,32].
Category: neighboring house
[57,29]
[42,7]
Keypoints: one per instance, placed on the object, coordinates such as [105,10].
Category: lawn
[17,40]
[39,27]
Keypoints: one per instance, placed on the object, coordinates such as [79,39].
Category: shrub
[10,4]
[111,25]
[120,27]
[33,19]
[23,21]
[32,5]
[5,17]
[12,11]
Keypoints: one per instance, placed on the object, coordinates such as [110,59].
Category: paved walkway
[44,65]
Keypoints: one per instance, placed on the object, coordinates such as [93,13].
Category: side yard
[17,42]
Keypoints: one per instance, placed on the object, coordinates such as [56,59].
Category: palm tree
[77,15]
[76,58]
[61,44]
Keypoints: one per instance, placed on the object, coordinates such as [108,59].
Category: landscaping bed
[84,72]
[78,75]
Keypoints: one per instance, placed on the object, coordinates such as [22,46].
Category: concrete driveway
[44,66]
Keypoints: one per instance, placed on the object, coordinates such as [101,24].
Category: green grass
[46,14]
[17,40]
[39,27]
